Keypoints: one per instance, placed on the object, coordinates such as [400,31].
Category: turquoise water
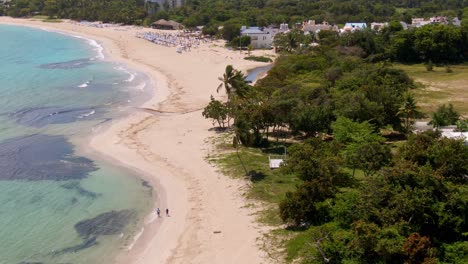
[55,205]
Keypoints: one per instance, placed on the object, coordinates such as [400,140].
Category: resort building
[443,20]
[456,22]
[378,26]
[439,20]
[404,25]
[311,26]
[262,38]
[259,39]
[350,27]
[167,25]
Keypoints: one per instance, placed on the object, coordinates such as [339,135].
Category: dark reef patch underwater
[109,223]
[67,65]
[43,116]
[41,157]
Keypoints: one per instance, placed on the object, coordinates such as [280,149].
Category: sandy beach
[167,142]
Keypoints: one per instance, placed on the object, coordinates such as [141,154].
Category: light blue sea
[56,205]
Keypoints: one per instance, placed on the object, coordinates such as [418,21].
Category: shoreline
[155,145]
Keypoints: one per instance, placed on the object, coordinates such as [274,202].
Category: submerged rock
[76,186]
[41,157]
[86,244]
[146,184]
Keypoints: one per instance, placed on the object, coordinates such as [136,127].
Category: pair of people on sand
[159,212]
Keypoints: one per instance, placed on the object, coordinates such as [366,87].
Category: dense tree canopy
[237,12]
[412,211]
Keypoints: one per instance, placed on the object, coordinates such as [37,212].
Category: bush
[239,42]
[429,66]
[444,116]
[258,58]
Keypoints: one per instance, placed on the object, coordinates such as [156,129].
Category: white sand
[169,150]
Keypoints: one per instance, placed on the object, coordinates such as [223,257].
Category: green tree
[409,110]
[217,111]
[367,156]
[363,147]
[233,82]
[347,131]
[230,30]
[444,116]
[438,43]
[239,42]
[50,8]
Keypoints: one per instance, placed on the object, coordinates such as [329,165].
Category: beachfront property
[404,25]
[378,26]
[259,39]
[351,27]
[443,20]
[456,22]
[262,38]
[311,26]
[419,22]
[166,25]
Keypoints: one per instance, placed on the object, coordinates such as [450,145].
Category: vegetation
[258,58]
[233,14]
[346,192]
[439,87]
[444,116]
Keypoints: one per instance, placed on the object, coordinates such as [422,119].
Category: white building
[404,25]
[456,22]
[262,38]
[350,27]
[258,38]
[443,20]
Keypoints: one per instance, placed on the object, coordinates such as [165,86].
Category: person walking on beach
[167,211]
[158,212]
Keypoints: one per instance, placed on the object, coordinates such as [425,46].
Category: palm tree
[233,82]
[408,110]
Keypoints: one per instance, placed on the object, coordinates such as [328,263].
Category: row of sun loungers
[183,42]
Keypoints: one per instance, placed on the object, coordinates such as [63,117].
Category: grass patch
[52,20]
[47,19]
[299,245]
[41,17]
[439,87]
[258,58]
[267,185]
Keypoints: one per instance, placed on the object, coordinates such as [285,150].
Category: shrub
[258,58]
[429,66]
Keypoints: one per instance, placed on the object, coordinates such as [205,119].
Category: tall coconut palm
[233,82]
[408,110]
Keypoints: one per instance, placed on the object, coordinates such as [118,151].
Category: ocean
[57,205]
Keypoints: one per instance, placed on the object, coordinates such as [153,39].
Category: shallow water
[55,205]
[256,73]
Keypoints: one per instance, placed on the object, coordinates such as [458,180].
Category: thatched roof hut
[164,24]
